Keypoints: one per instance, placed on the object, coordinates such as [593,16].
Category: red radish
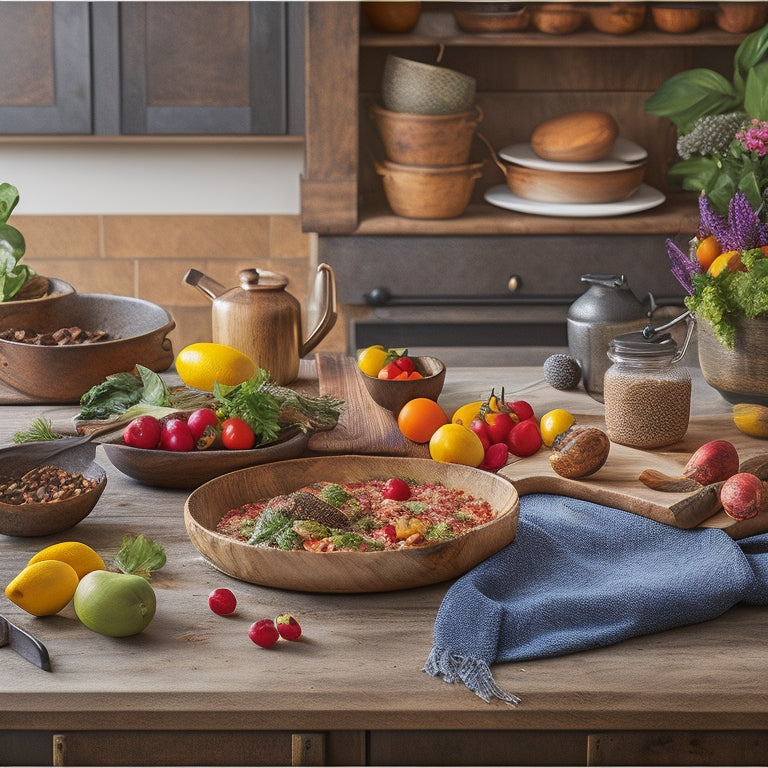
[176,436]
[480,428]
[743,495]
[222,601]
[142,432]
[495,457]
[715,461]
[522,409]
[524,439]
[264,633]
[397,489]
[288,627]
[198,420]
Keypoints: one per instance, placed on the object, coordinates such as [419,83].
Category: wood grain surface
[367,428]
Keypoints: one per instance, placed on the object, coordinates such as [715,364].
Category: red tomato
[499,426]
[389,371]
[236,435]
[200,419]
[405,363]
[522,409]
[524,439]
[480,428]
[496,456]
[142,432]
[176,436]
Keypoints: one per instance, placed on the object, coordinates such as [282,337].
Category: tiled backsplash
[147,257]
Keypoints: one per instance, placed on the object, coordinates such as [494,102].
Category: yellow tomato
[456,444]
[469,411]
[554,423]
[371,360]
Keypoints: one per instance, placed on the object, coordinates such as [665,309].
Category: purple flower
[742,229]
[683,267]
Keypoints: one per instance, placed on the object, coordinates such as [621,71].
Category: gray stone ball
[562,372]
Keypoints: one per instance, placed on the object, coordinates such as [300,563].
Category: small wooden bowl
[347,572]
[617,18]
[740,17]
[189,469]
[557,18]
[47,518]
[490,19]
[393,395]
[677,19]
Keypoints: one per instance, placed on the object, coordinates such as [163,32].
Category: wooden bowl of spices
[494,500]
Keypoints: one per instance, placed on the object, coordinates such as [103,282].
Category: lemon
[554,423]
[456,444]
[80,556]
[202,364]
[372,359]
[44,587]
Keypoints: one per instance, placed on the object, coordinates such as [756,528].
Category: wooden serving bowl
[393,395]
[347,572]
[47,518]
[676,18]
[57,289]
[189,469]
[492,17]
[138,334]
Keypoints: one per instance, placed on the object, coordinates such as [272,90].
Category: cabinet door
[45,87]
[209,68]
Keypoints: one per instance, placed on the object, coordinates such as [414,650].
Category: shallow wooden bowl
[492,17]
[138,332]
[57,289]
[47,518]
[676,18]
[557,18]
[343,572]
[189,469]
[617,18]
[574,186]
[393,395]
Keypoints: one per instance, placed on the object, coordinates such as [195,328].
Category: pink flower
[755,138]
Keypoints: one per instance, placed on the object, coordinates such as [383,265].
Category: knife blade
[25,644]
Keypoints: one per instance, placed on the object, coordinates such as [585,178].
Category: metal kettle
[607,309]
[262,320]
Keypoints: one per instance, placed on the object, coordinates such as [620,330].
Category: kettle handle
[327,283]
[207,285]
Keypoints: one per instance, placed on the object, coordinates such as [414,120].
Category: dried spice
[59,338]
[46,484]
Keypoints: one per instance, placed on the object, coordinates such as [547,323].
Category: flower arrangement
[725,272]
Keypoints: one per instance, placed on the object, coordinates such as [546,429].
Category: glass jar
[647,396]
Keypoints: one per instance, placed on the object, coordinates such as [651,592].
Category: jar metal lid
[636,345]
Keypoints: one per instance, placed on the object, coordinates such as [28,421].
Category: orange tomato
[707,251]
[730,260]
[420,418]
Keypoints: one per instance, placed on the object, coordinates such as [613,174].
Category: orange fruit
[420,418]
[456,444]
[730,260]
[707,251]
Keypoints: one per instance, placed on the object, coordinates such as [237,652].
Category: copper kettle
[262,320]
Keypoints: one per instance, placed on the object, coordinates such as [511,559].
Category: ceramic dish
[343,572]
[624,151]
[187,470]
[645,198]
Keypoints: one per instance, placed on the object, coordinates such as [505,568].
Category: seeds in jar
[43,485]
[645,412]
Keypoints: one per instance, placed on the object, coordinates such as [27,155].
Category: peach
[715,461]
[743,495]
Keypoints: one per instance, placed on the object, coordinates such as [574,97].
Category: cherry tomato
[142,432]
[496,456]
[480,428]
[200,419]
[389,371]
[397,489]
[524,439]
[522,409]
[405,363]
[499,425]
[176,436]
[236,435]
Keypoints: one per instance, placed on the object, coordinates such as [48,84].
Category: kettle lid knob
[261,279]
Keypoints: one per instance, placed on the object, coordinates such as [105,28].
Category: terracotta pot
[426,139]
[396,16]
[428,192]
[740,17]
[617,18]
[740,374]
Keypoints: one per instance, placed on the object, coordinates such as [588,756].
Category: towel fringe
[474,673]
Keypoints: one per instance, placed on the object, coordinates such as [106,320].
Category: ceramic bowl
[617,18]
[342,572]
[676,18]
[393,395]
[138,334]
[428,191]
[426,139]
[47,518]
[479,18]
[740,17]
[189,469]
[557,18]
[425,89]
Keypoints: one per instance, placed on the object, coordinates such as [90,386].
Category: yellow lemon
[456,444]
[201,364]
[80,556]
[728,260]
[554,423]
[372,359]
[43,588]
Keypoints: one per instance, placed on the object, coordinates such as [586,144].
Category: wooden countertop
[359,664]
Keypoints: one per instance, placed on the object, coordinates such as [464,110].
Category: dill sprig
[40,429]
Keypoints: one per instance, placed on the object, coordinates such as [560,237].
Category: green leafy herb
[439,531]
[39,429]
[13,275]
[355,541]
[335,495]
[115,394]
[140,556]
[271,525]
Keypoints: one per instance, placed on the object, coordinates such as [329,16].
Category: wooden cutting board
[367,428]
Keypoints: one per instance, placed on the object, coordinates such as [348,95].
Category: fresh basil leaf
[154,391]
[689,95]
[752,51]
[756,92]
[9,196]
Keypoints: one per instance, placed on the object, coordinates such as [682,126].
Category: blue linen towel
[579,575]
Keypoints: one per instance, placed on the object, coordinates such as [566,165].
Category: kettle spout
[325,294]
[206,285]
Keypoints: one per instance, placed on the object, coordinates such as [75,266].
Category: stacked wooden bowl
[426,124]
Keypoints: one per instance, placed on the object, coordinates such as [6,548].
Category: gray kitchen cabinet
[154,68]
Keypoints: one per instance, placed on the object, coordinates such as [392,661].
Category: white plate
[646,197]
[624,151]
